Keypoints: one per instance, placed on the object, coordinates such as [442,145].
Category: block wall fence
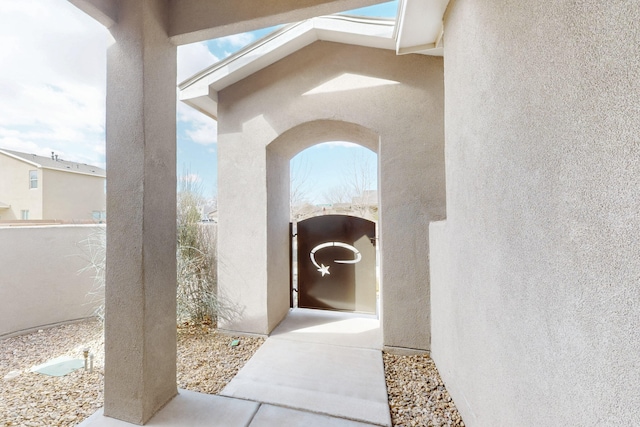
[41,282]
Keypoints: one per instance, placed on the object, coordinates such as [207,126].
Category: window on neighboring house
[33,179]
[24,214]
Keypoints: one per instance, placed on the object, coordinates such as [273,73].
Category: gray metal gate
[337,263]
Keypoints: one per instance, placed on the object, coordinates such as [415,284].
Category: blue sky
[52,93]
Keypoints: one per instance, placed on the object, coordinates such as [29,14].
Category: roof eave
[420,27]
[201,90]
[22,159]
[69,170]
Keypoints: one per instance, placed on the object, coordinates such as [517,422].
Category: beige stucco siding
[325,92]
[72,196]
[41,279]
[537,268]
[15,191]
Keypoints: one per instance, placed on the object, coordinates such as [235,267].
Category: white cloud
[205,135]
[193,58]
[52,80]
[236,40]
[201,129]
[14,142]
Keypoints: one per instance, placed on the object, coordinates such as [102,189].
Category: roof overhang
[201,90]
[420,27]
[4,206]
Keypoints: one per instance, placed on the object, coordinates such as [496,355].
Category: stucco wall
[329,91]
[535,285]
[72,196]
[40,283]
[15,191]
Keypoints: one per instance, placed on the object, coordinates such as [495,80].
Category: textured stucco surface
[41,282]
[140,333]
[328,91]
[536,271]
[197,20]
[70,196]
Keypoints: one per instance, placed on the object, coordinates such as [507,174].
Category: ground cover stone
[206,363]
[417,396]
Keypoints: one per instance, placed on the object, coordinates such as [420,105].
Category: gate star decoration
[323,269]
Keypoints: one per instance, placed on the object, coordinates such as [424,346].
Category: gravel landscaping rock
[206,363]
[417,396]
[32,399]
[206,359]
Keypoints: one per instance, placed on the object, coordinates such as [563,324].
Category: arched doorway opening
[333,213]
[335,177]
[280,151]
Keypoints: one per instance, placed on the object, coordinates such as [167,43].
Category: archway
[273,115]
[279,153]
[333,215]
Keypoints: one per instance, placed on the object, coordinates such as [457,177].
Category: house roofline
[22,159]
[59,168]
[96,174]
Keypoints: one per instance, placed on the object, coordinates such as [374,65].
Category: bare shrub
[95,253]
[196,259]
[196,262]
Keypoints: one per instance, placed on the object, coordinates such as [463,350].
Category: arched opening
[279,154]
[270,118]
[334,211]
[335,177]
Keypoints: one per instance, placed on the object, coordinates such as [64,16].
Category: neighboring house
[48,188]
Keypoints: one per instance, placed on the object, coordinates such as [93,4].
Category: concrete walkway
[317,368]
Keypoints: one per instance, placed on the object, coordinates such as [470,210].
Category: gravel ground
[417,396]
[206,363]
[32,399]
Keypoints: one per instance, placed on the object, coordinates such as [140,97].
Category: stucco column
[412,193]
[140,333]
[253,213]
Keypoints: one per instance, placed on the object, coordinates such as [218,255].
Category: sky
[52,94]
